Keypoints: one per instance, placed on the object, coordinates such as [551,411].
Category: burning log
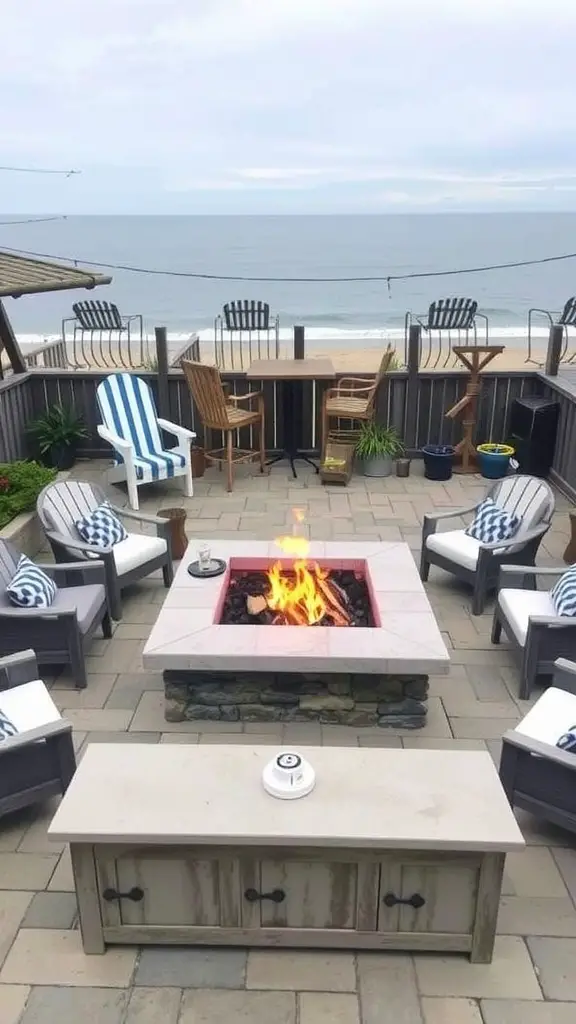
[337,612]
[256,604]
[341,598]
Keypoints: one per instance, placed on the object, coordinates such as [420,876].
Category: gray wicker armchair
[536,774]
[527,615]
[38,762]
[61,504]
[479,564]
[61,633]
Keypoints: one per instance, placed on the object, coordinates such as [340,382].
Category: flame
[300,596]
[297,596]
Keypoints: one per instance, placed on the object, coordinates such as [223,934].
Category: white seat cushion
[135,550]
[29,706]
[457,546]
[520,605]
[553,714]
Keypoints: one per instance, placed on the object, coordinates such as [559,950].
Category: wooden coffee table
[393,849]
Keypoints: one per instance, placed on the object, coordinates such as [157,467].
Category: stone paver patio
[45,977]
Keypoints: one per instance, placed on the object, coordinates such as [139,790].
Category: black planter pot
[62,456]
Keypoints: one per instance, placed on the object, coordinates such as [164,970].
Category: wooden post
[475,359]
[9,343]
[411,393]
[554,351]
[162,370]
[299,342]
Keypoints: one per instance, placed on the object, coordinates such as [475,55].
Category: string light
[40,170]
[387,278]
[32,220]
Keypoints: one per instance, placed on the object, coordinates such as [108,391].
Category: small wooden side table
[570,553]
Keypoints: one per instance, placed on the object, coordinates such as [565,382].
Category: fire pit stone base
[328,698]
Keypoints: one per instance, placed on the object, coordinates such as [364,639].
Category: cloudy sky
[288,106]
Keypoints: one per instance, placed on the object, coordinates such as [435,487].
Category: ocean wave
[327,333]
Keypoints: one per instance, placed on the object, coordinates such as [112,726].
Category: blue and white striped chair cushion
[127,407]
[491,523]
[563,593]
[101,527]
[30,586]
[7,728]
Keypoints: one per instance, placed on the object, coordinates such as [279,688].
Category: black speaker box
[532,432]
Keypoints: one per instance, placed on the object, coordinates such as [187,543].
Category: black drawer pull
[136,894]
[415,901]
[277,895]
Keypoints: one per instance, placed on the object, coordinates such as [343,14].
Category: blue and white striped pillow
[491,523]
[30,586]
[7,727]
[563,593]
[101,527]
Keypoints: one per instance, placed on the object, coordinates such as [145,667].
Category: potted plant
[376,448]
[494,460]
[56,436]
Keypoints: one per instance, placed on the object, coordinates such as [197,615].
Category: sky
[288,106]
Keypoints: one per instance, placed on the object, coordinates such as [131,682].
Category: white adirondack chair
[132,426]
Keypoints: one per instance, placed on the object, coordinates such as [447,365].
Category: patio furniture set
[279,869]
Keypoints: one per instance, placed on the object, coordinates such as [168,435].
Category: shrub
[20,485]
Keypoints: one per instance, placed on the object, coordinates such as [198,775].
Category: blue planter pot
[494,464]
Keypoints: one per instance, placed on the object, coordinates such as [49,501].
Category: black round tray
[218,567]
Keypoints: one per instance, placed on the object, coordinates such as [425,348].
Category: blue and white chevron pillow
[568,741]
[30,586]
[563,593]
[491,523]
[7,728]
[101,527]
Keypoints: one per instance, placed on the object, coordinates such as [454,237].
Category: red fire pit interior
[297,592]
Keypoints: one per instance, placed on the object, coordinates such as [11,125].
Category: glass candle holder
[204,558]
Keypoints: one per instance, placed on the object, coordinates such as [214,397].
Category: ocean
[341,314]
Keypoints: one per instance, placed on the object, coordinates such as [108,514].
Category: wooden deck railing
[15,414]
[563,390]
[416,407]
[413,401]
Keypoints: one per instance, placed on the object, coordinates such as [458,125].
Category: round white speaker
[288,776]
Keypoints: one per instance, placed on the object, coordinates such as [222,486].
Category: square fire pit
[363,660]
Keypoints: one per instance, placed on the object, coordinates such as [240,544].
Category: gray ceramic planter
[380,465]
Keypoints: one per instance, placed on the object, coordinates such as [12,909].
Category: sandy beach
[366,357]
[354,353]
[367,360]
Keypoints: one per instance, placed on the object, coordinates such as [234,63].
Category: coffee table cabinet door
[163,889]
[309,894]
[428,896]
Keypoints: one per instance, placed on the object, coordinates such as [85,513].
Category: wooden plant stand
[336,468]
[475,359]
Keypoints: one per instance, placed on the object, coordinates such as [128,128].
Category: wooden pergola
[20,275]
